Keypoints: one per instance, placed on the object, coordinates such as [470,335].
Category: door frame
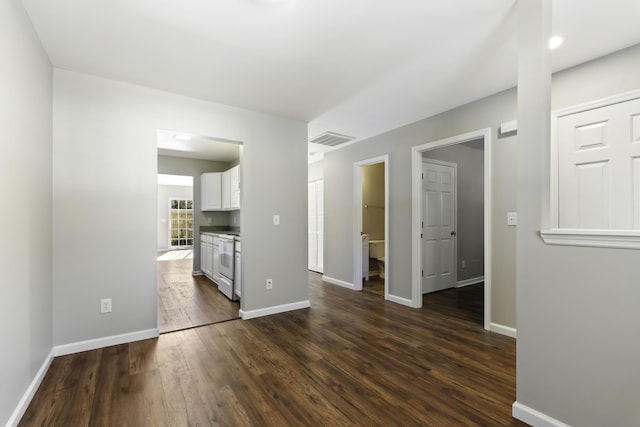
[357,221]
[416,188]
[454,166]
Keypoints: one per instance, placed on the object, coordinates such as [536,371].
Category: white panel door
[438,226]
[598,161]
[320,225]
[316,225]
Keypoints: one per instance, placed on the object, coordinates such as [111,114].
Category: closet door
[316,225]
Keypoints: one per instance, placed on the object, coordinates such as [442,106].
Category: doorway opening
[371,226]
[192,219]
[444,256]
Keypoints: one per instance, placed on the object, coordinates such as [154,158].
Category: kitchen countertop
[215,229]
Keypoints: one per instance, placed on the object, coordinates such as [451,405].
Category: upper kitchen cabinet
[221,190]
[226,190]
[234,184]
[211,184]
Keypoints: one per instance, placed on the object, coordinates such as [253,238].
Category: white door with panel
[599,168]
[438,226]
[316,225]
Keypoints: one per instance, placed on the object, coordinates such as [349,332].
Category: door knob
[453,233]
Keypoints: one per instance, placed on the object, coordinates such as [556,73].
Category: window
[181,223]
[595,180]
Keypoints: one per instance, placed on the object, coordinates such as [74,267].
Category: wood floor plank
[187,301]
[351,359]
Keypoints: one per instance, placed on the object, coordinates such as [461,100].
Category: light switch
[512,218]
[276,220]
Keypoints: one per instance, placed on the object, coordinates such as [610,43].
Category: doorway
[421,256]
[186,298]
[371,225]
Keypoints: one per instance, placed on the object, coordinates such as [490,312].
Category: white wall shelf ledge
[617,239]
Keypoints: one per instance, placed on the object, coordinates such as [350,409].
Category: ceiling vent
[331,139]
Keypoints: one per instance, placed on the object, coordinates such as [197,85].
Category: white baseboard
[252,314]
[77,347]
[468,282]
[533,417]
[338,282]
[196,273]
[400,300]
[503,330]
[24,402]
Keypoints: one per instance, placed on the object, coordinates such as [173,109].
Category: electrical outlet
[105,305]
[276,220]
[269,284]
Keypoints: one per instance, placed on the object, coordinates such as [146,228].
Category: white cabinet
[209,256]
[234,187]
[215,257]
[206,254]
[238,271]
[203,256]
[221,190]
[211,185]
[226,190]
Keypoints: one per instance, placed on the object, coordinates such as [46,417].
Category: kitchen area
[220,246]
[206,288]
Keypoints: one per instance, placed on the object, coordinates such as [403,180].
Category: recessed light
[182,137]
[555,41]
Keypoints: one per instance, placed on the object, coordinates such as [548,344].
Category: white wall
[104,187]
[165,194]
[25,190]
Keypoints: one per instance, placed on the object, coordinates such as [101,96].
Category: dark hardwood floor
[186,301]
[374,285]
[351,359]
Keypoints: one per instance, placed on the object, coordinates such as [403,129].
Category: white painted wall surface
[25,191]
[104,171]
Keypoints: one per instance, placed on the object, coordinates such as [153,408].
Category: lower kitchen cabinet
[209,256]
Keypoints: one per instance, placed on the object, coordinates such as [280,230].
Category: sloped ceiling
[356,67]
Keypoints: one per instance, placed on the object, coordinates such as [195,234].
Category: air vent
[331,139]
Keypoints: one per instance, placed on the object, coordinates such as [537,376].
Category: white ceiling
[357,67]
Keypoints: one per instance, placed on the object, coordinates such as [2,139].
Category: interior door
[438,226]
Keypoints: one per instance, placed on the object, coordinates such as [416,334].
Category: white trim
[533,417]
[338,282]
[400,300]
[598,103]
[357,222]
[503,330]
[617,239]
[416,249]
[252,314]
[454,166]
[77,347]
[197,273]
[469,282]
[24,402]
